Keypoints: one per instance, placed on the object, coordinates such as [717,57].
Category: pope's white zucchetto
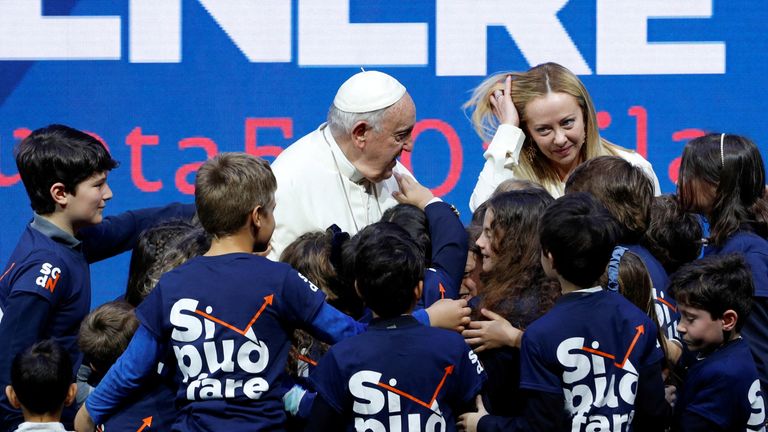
[368,91]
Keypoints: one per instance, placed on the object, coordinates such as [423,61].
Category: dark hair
[41,376]
[624,189]
[153,243]
[515,184]
[673,236]
[106,332]
[413,220]
[517,275]
[228,188]
[58,154]
[387,269]
[715,284]
[739,177]
[580,234]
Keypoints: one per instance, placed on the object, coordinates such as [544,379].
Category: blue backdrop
[166,84]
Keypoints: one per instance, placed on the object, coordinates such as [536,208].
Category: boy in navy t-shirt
[104,335]
[227,315]
[41,385]
[45,289]
[591,362]
[399,375]
[721,391]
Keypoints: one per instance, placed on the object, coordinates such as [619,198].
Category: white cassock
[317,187]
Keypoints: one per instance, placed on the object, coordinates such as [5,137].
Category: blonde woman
[543,125]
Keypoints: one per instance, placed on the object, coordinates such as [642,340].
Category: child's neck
[61,221]
[236,243]
[567,287]
[54,417]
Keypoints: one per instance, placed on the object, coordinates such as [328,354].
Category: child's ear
[59,193]
[418,291]
[256,216]
[14,401]
[730,317]
[71,394]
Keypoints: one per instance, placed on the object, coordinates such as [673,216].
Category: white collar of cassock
[345,166]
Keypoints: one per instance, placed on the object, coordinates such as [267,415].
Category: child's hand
[449,314]
[670,394]
[411,192]
[83,421]
[497,332]
[468,421]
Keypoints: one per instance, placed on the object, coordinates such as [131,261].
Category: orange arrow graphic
[640,330]
[428,405]
[267,301]
[669,305]
[442,290]
[147,422]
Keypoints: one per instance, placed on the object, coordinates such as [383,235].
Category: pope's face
[384,145]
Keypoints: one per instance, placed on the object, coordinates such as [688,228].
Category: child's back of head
[673,236]
[58,154]
[388,269]
[579,234]
[152,246]
[624,189]
[715,284]
[413,220]
[228,188]
[723,176]
[106,332]
[41,380]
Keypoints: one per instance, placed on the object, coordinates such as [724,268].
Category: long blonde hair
[526,86]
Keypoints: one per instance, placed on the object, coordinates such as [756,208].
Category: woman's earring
[530,153]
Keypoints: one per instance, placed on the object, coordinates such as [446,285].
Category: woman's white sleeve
[503,153]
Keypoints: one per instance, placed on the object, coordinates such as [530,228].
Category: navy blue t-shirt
[754,249]
[723,388]
[228,319]
[45,289]
[449,254]
[399,375]
[666,308]
[153,404]
[591,347]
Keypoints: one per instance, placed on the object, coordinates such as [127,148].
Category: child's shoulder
[732,364]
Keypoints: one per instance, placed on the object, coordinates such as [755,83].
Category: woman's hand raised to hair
[502,106]
[449,314]
[494,333]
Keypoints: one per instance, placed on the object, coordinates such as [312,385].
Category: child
[45,290]
[673,236]
[399,375]
[722,391]
[627,192]
[591,362]
[227,315]
[41,385]
[515,292]
[104,336]
[152,245]
[722,177]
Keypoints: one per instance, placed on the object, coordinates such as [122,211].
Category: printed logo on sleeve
[312,286]
[756,399]
[50,276]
